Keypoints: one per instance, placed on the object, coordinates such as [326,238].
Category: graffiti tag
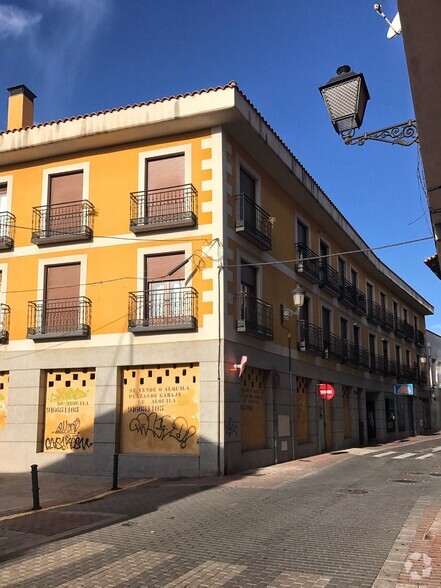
[231,428]
[66,427]
[163,427]
[67,442]
[67,437]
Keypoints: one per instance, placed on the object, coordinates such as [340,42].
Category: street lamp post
[298,297]
[346,96]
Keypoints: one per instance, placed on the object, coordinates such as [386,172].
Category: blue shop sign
[403,389]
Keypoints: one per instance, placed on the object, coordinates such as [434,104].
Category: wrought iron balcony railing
[5,315]
[406,374]
[7,230]
[355,355]
[309,337]
[161,209]
[254,316]
[387,320]
[329,279]
[352,296]
[404,329]
[332,346]
[169,309]
[419,338]
[374,312]
[58,223]
[253,222]
[59,318]
[309,268]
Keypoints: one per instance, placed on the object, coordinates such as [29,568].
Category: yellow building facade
[143,252]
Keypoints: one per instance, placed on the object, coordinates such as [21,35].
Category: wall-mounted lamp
[239,366]
[298,297]
[346,96]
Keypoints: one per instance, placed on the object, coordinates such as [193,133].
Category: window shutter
[158,266]
[165,173]
[66,188]
[62,281]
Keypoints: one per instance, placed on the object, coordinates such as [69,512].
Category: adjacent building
[145,255]
[423,53]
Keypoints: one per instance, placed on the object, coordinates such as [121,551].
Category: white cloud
[14,21]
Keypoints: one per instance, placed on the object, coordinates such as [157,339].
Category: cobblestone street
[338,521]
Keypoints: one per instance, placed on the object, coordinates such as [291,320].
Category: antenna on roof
[394,26]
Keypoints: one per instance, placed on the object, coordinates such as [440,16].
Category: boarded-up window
[302,411]
[252,410]
[154,420]
[347,411]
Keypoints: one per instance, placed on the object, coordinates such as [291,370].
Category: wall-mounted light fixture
[298,297]
[239,366]
[346,96]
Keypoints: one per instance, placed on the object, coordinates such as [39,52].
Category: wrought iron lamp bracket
[404,134]
[286,313]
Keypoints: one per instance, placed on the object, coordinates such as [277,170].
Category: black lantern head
[345,97]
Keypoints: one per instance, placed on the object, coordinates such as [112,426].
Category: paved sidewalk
[413,562]
[55,490]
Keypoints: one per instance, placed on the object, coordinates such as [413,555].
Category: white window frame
[8,180]
[62,170]
[145,156]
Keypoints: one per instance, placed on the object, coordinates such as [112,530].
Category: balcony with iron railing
[170,309]
[5,315]
[329,279]
[253,222]
[332,346]
[377,363]
[387,319]
[351,296]
[59,318]
[254,316]
[59,223]
[404,329]
[309,337]
[355,355]
[406,374]
[419,338]
[7,230]
[374,312]
[172,207]
[307,263]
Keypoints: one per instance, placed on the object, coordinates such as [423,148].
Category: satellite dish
[395,27]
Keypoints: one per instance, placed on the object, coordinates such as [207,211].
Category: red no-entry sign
[326,391]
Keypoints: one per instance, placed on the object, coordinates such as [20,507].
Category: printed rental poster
[69,411]
[160,410]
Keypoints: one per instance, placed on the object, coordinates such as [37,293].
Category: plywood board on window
[69,411]
[253,409]
[302,411]
[4,387]
[160,410]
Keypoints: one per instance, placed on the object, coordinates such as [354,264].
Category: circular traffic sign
[326,391]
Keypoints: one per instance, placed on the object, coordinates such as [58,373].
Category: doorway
[371,423]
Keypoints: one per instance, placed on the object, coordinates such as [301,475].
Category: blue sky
[81,56]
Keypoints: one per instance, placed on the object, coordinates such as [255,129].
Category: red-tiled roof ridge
[231,84]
